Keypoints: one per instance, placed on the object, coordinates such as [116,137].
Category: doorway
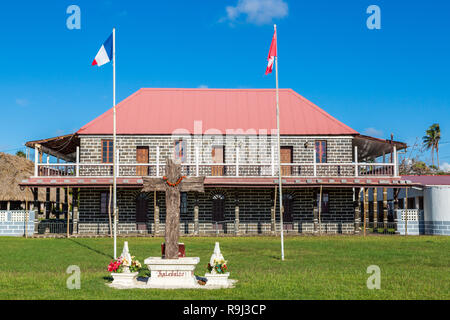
[142,157]
[286,157]
[288,206]
[218,156]
[141,211]
[218,207]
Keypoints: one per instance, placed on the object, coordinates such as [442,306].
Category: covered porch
[237,207]
[372,158]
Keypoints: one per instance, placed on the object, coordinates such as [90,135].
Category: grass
[332,267]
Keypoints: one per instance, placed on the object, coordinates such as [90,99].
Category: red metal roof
[443,180]
[162,111]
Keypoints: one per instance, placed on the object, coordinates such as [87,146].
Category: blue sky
[377,81]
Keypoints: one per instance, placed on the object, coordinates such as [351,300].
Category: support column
[35,208]
[47,203]
[42,207]
[155,214]
[396,206]
[357,206]
[273,221]
[405,201]
[75,210]
[66,203]
[320,210]
[58,202]
[236,214]
[366,208]
[196,212]
[315,212]
[385,208]
[40,169]
[417,202]
[66,211]
[375,209]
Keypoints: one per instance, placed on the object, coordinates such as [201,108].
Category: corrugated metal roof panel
[442,180]
[163,111]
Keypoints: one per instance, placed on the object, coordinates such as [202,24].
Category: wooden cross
[172,184]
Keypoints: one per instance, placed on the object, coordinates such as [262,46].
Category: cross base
[172,273]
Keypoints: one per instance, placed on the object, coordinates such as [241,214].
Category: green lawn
[315,267]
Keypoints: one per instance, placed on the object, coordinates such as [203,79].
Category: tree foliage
[431,141]
[21,154]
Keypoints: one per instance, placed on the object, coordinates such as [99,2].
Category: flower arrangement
[135,265]
[116,266]
[119,265]
[219,266]
[172,184]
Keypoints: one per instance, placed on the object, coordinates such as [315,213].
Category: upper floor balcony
[242,168]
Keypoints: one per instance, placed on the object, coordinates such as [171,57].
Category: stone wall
[252,149]
[255,205]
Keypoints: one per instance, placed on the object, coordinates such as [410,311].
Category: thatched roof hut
[13,170]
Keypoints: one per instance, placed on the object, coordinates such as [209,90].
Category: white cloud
[445,167]
[203,86]
[373,132]
[21,102]
[258,11]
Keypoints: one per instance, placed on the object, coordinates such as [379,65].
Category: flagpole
[279,148]
[114,144]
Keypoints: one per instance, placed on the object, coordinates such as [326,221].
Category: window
[107,151]
[321,151]
[325,202]
[180,150]
[104,202]
[183,203]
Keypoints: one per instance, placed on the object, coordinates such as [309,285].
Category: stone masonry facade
[255,206]
[245,209]
[252,150]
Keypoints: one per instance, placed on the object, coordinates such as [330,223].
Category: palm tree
[437,130]
[431,141]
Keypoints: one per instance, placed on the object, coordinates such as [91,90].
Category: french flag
[105,54]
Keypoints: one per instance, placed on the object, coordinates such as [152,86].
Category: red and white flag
[272,53]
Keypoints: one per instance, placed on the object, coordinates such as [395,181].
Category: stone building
[228,136]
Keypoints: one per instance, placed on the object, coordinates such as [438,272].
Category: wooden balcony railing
[237,169]
[220,170]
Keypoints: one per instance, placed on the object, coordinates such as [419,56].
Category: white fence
[16,222]
[410,214]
